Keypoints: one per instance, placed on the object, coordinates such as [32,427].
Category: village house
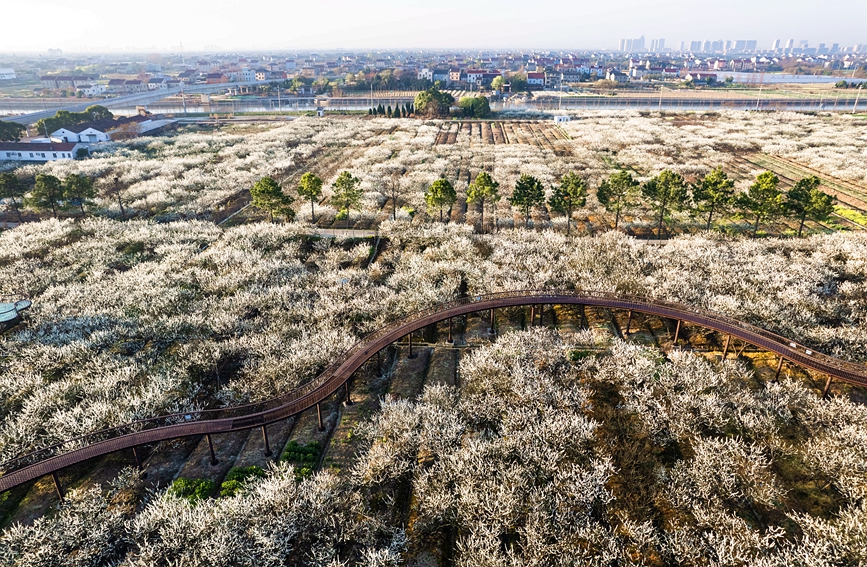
[23,151]
[535,81]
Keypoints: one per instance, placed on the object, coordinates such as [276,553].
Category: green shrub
[575,355]
[192,489]
[237,477]
[303,457]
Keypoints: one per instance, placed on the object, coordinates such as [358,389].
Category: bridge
[49,460]
[130,100]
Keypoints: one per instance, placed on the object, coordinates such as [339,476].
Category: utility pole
[857,96]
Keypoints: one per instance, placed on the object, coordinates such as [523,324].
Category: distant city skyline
[164,26]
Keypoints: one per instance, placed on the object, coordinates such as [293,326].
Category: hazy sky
[163,25]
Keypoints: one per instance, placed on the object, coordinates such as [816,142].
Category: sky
[170,26]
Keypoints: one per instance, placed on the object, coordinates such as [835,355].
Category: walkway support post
[319,416]
[628,322]
[726,347]
[265,439]
[137,457]
[450,332]
[677,332]
[826,389]
[492,321]
[57,486]
[532,315]
[410,355]
[348,401]
[211,450]
[779,368]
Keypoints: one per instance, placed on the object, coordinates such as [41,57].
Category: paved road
[128,101]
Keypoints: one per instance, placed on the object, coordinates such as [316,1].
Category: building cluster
[75,141]
[314,73]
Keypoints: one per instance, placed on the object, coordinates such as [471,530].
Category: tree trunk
[801,226]
[17,210]
[312,213]
[756,227]
[483,217]
[617,218]
[347,219]
[441,214]
[81,205]
[568,221]
[709,217]
[394,206]
[527,217]
[120,204]
[53,209]
[659,226]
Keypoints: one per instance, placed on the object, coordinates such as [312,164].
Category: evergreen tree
[805,201]
[617,194]
[268,196]
[380,110]
[439,195]
[665,192]
[46,193]
[763,201]
[484,189]
[571,194]
[310,187]
[713,195]
[347,195]
[388,111]
[12,190]
[78,189]
[528,193]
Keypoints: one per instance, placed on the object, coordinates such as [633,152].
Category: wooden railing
[46,460]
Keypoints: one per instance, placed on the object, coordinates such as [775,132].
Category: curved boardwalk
[51,459]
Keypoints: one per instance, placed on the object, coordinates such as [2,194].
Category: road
[129,101]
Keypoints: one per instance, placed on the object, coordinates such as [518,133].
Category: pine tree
[665,192]
[46,193]
[763,200]
[804,200]
[268,196]
[78,188]
[714,194]
[11,188]
[528,193]
[439,195]
[310,187]
[347,195]
[483,189]
[617,194]
[571,194]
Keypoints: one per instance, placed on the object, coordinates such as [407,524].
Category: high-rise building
[707,45]
[752,44]
[682,46]
[740,45]
[804,44]
[717,46]
[628,45]
[790,44]
[777,44]
[835,47]
[695,46]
